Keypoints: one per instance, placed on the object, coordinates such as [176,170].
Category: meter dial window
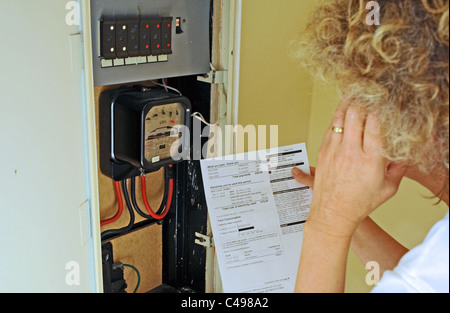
[159,123]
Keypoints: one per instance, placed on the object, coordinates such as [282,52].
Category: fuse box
[138,40]
[139,37]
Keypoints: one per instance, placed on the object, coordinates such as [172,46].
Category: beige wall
[274,91]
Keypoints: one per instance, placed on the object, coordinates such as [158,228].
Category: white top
[425,269]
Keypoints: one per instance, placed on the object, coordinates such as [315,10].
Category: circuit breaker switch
[108,39]
[145,37]
[121,39]
[166,35]
[156,34]
[133,37]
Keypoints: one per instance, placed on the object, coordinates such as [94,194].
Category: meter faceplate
[159,131]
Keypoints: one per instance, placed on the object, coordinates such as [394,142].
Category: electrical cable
[115,232]
[164,83]
[163,202]
[120,210]
[147,206]
[167,87]
[138,275]
[169,198]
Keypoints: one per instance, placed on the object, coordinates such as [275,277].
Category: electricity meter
[141,130]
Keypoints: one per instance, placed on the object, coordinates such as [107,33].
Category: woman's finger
[303,178]
[337,127]
[372,142]
[354,128]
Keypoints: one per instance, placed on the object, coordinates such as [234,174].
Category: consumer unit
[138,40]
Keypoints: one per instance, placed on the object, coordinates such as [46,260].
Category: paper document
[257,212]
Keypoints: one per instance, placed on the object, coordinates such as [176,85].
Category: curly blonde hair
[398,70]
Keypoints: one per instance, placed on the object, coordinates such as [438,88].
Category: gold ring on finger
[338,130]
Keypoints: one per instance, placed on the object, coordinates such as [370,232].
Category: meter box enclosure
[139,40]
[142,129]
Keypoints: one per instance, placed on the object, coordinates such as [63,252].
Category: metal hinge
[214,77]
[204,240]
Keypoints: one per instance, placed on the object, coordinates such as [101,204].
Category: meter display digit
[159,123]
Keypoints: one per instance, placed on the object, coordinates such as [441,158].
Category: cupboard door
[45,234]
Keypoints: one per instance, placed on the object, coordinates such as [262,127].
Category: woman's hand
[352,178]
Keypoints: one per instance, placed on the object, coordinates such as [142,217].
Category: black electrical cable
[115,232]
[163,202]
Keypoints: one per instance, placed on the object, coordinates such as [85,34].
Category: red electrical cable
[120,210]
[147,206]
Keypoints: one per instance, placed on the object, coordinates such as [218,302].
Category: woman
[393,123]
